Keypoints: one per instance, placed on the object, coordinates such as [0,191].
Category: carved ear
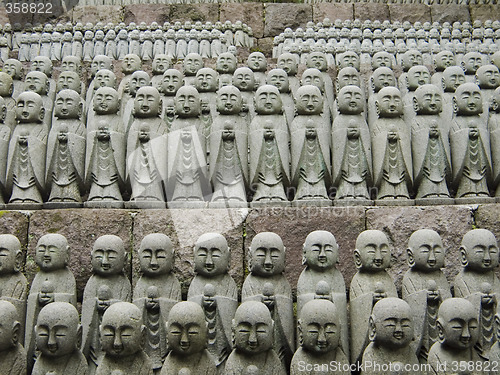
[411,259]
[454,105]
[357,259]
[299,330]
[372,83]
[462,65]
[160,105]
[304,260]
[377,108]
[3,113]
[494,105]
[11,89]
[47,87]
[80,110]
[79,335]
[440,331]
[42,114]
[416,107]
[18,261]
[476,79]
[337,86]
[143,336]
[233,332]
[15,333]
[249,259]
[372,332]
[463,256]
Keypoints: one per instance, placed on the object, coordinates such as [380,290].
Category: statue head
[187,102]
[192,63]
[372,253]
[211,255]
[11,256]
[131,63]
[37,82]
[427,100]
[257,62]
[206,80]
[156,255]
[346,77]
[308,100]
[108,255]
[488,77]
[425,251]
[453,77]
[171,82]
[349,59]
[138,79]
[186,328]
[495,58]
[389,103]
[391,323]
[100,62]
[471,62]
[57,331]
[106,101]
[279,78]
[147,102]
[317,60]
[266,255]
[52,252]
[443,60]
[9,326]
[71,64]
[104,78]
[495,101]
[161,63]
[288,63]
[226,63]
[29,107]
[418,75]
[457,324]
[244,79]
[42,64]
[350,100]
[268,100]
[68,80]
[122,330]
[6,85]
[382,77]
[312,76]
[479,250]
[320,251]
[229,101]
[467,100]
[252,328]
[13,68]
[410,58]
[382,59]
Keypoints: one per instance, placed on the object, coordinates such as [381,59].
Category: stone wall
[83,226]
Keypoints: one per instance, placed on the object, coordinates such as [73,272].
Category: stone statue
[161,63]
[320,340]
[258,63]
[69,80]
[318,61]
[494,126]
[458,333]
[268,143]
[215,291]
[442,60]
[146,151]
[244,80]
[425,287]
[6,92]
[313,76]
[172,81]
[488,79]
[370,284]
[430,147]
[225,66]
[228,145]
[253,351]
[349,59]
[192,63]
[410,58]
[382,59]
[53,283]
[66,152]
[290,65]
[417,76]
[187,335]
[206,82]
[4,149]
[58,334]
[44,65]
[310,149]
[107,286]
[391,149]
[121,332]
[470,64]
[14,68]
[130,64]
[105,155]
[99,62]
[266,283]
[478,282]
[453,77]
[391,333]
[12,353]
[38,82]
[279,78]
[25,178]
[74,64]
[138,79]
[351,148]
[470,148]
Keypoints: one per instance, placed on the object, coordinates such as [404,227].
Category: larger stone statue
[6,92]
[225,66]
[130,64]
[289,63]
[172,81]
[494,127]
[14,68]
[156,292]
[258,63]
[266,283]
[38,82]
[12,353]
[5,133]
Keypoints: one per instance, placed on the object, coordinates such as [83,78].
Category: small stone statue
[266,283]
[156,292]
[313,76]
[425,287]
[225,66]
[74,64]
[44,65]
[38,82]
[442,60]
[121,333]
[290,65]
[391,149]
[258,63]
[320,340]
[244,80]
[310,149]
[138,79]
[279,78]
[12,353]
[470,64]
[458,325]
[172,81]
[478,282]
[453,77]
[206,82]
[417,76]
[130,64]
[215,291]
[228,145]
[192,63]
[161,63]
[4,149]
[391,333]
[187,335]
[318,61]
[488,79]
[58,333]
[6,93]
[108,285]
[253,351]
[14,68]
[99,62]
[494,126]
[370,284]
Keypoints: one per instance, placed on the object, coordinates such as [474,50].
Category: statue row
[426,2]
[227,339]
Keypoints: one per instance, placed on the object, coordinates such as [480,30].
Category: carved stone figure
[156,292]
[206,82]
[215,291]
[290,65]
[74,64]
[187,335]
[12,353]
[6,92]
[4,150]
[107,286]
[58,333]
[192,63]
[470,64]
[38,82]
[244,80]
[494,126]
[225,66]
[130,64]
[318,61]
[266,283]
[258,63]
[99,62]
[122,323]
[172,81]
[417,76]
[370,284]
[253,351]
[488,79]
[44,65]
[161,63]
[442,60]
[425,287]
[453,77]
[14,68]
[279,78]
[410,58]
[313,76]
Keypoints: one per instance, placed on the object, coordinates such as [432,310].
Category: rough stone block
[371,11]
[488,217]
[146,13]
[81,227]
[483,12]
[194,12]
[99,13]
[280,16]
[449,13]
[15,223]
[184,227]
[410,12]
[333,11]
[250,13]
[451,222]
[294,224]
[265,45]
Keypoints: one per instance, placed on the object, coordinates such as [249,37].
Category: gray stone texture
[280,16]
[449,13]
[487,217]
[15,223]
[146,13]
[333,11]
[98,13]
[410,12]
[194,12]
[371,11]
[249,13]
[484,12]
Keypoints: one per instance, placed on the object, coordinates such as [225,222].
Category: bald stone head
[72,64]
[479,250]
[381,59]
[100,62]
[171,82]
[186,328]
[244,79]
[350,100]
[9,326]
[147,102]
[320,251]
[156,254]
[52,252]
[453,77]
[187,102]
[252,328]
[38,82]
[108,255]
[288,63]
[267,254]
[382,77]
[391,324]
[106,101]
[268,100]
[42,64]
[468,100]
[427,100]
[312,76]
[13,68]
[389,103]
[457,324]
[68,80]
[29,107]
[373,252]
[206,80]
[308,100]
[348,76]
[211,255]
[229,100]
[131,63]
[10,254]
[425,251]
[138,79]
[68,105]
[488,77]
[319,326]
[192,63]
[104,78]
[257,62]
[279,78]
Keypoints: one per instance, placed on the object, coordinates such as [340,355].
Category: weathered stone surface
[488,217]
[333,11]
[81,227]
[99,13]
[250,13]
[280,16]
[371,11]
[194,12]
[294,224]
[451,222]
[146,13]
[410,12]
[265,45]
[184,227]
[60,11]
[15,223]
[449,13]
[483,12]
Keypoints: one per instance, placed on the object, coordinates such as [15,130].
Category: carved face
[68,80]
[320,251]
[229,100]
[313,77]
[156,255]
[389,102]
[186,329]
[481,250]
[288,63]
[172,81]
[459,327]
[381,59]
[206,80]
[131,63]
[138,79]
[7,322]
[319,327]
[226,63]
[36,82]
[28,107]
[468,100]
[13,68]
[393,324]
[267,100]
[412,58]
[187,102]
[147,102]
[100,62]
[427,251]
[6,85]
[71,64]
[42,64]
[349,59]
[488,77]
[444,59]
[472,62]
[244,79]
[348,76]
[418,76]
[309,100]
[108,256]
[257,62]
[106,101]
[267,255]
[8,252]
[373,251]
[51,253]
[104,78]
[350,100]
[121,331]
[452,78]
[252,328]
[317,60]
[161,63]
[429,100]
[279,78]
[383,77]
[67,105]
[211,255]
[192,63]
